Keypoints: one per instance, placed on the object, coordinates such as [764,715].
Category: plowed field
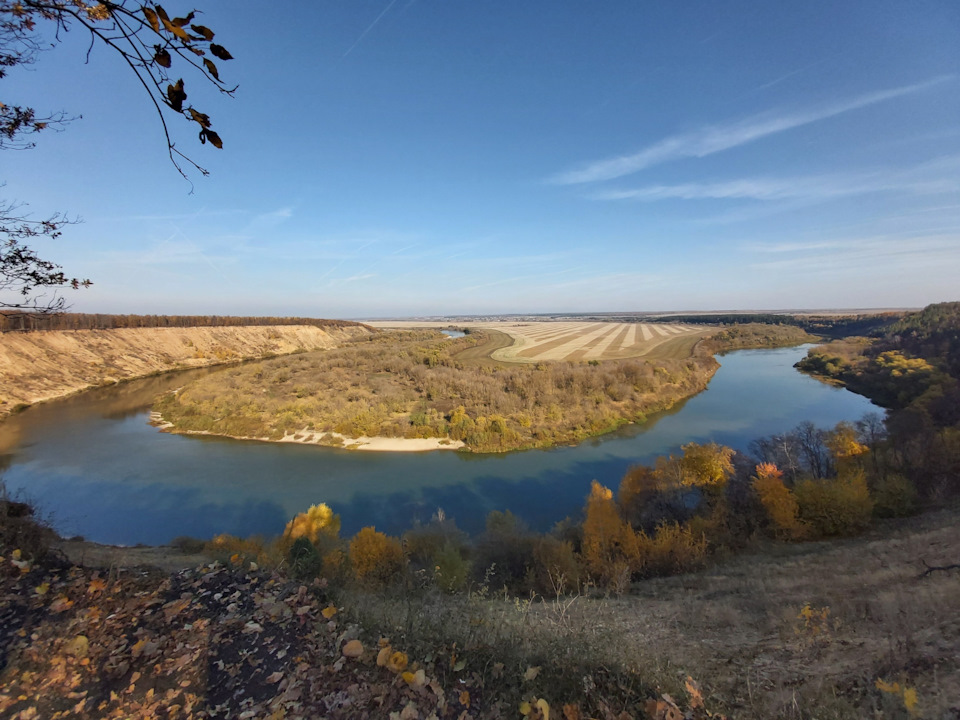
[537,341]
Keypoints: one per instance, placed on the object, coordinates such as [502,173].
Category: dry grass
[737,628]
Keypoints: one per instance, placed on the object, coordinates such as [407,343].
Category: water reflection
[100,470]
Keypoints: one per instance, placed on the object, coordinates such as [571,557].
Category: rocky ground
[226,642]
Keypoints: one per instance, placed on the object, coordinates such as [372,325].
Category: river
[96,468]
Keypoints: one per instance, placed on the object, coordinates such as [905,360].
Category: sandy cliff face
[40,366]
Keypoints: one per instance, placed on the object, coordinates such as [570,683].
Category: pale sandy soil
[40,366]
[335,439]
[382,444]
[538,341]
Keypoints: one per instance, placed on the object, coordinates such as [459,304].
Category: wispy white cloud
[272,218]
[352,278]
[856,255]
[787,76]
[519,279]
[819,187]
[716,138]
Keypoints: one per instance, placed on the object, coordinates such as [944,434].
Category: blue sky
[419,157]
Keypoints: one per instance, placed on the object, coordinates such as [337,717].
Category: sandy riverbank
[332,439]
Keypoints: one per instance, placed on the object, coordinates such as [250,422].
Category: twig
[933,568]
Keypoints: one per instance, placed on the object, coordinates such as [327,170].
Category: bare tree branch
[150,44]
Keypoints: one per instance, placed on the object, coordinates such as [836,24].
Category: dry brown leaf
[353,649]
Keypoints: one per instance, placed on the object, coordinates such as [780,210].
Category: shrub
[713,526]
[638,486]
[451,569]
[305,561]
[673,549]
[234,550]
[709,465]
[423,543]
[894,496]
[319,521]
[504,552]
[188,545]
[840,506]
[555,570]
[20,530]
[778,502]
[376,559]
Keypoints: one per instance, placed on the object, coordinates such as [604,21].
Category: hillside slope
[40,366]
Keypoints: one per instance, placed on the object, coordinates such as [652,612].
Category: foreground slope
[231,641]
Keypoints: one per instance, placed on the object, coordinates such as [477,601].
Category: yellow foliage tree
[318,520]
[843,445]
[376,558]
[709,465]
[609,544]
[778,501]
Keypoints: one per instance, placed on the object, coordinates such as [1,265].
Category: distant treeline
[834,326]
[914,363]
[933,333]
[86,321]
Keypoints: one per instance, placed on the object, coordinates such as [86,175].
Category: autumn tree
[377,559]
[318,523]
[157,49]
[709,465]
[780,504]
[609,544]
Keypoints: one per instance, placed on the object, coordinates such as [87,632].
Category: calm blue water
[97,469]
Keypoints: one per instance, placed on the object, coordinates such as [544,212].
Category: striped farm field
[579,341]
[571,341]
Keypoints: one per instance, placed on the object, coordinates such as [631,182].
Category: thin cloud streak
[855,255]
[369,28]
[816,187]
[714,139]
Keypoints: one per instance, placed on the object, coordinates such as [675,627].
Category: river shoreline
[328,439]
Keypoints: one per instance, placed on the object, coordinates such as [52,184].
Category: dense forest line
[913,370]
[27,322]
[832,326]
[754,336]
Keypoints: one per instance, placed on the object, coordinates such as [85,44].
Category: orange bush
[377,560]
